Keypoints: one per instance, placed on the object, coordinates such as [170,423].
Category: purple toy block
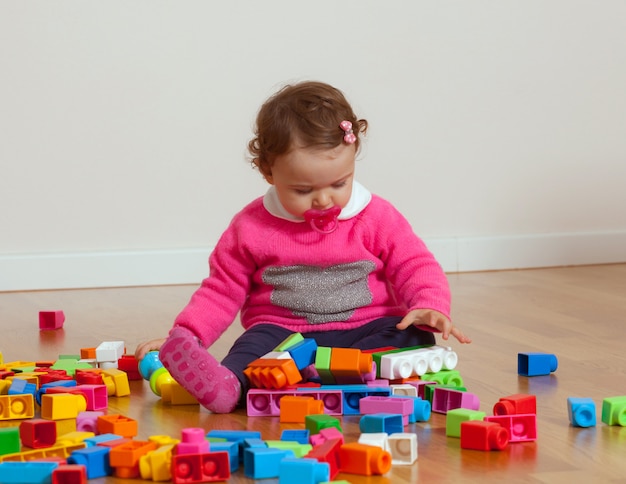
[51,320]
[445,399]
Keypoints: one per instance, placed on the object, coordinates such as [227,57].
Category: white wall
[498,127]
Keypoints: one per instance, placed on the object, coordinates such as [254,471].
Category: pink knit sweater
[283,272]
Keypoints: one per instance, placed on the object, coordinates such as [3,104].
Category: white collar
[359,198]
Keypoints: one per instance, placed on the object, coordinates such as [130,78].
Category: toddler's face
[308,178]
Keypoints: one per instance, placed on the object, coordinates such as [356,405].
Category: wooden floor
[577,313]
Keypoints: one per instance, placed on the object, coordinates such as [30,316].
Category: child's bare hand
[431,320]
[144,348]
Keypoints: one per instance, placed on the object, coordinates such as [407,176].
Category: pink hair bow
[349,137]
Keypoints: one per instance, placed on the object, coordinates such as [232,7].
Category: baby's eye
[340,184]
[302,191]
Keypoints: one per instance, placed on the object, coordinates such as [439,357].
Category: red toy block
[129,365]
[521,427]
[51,320]
[514,404]
[38,433]
[194,468]
[69,474]
[272,373]
[294,409]
[328,452]
[481,435]
[363,459]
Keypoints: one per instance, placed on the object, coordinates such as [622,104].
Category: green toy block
[315,423]
[449,378]
[289,341]
[70,365]
[614,411]
[322,364]
[455,416]
[9,440]
[298,449]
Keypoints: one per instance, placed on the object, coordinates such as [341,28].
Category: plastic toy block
[417,362]
[328,452]
[65,426]
[322,364]
[95,396]
[129,365]
[421,408]
[298,449]
[120,380]
[192,468]
[446,399]
[403,448]
[349,365]
[366,460]
[232,448]
[456,416]
[60,451]
[38,433]
[65,385]
[303,353]
[117,424]
[101,439]
[481,435]
[88,353]
[26,472]
[58,406]
[149,364]
[91,376]
[49,320]
[193,441]
[389,423]
[127,456]
[95,459]
[174,394]
[272,373]
[263,462]
[156,465]
[109,351]
[581,412]
[404,389]
[352,394]
[75,437]
[328,433]
[289,341]
[14,407]
[373,404]
[88,421]
[70,365]
[303,471]
[295,409]
[614,411]
[234,435]
[9,440]
[315,423]
[20,386]
[521,427]
[518,403]
[261,402]
[295,435]
[536,364]
[378,439]
[69,474]
[450,378]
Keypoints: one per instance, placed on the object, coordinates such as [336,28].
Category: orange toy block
[273,373]
[294,409]
[61,406]
[125,458]
[88,353]
[117,424]
[363,459]
[350,363]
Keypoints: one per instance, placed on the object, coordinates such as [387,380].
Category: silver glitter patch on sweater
[321,295]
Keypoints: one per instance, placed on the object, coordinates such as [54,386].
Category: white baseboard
[189,266]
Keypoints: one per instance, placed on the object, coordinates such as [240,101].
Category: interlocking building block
[290,341]
[26,472]
[193,468]
[481,435]
[416,362]
[421,408]
[129,365]
[364,459]
[263,462]
[193,441]
[120,380]
[294,409]
[322,364]
[9,440]
[446,399]
[521,427]
[536,364]
[49,320]
[303,471]
[95,459]
[328,452]
[109,351]
[450,378]
[156,465]
[173,393]
[303,353]
[125,458]
[614,411]
[262,402]
[69,474]
[403,448]
[295,435]
[379,439]
[38,433]
[375,404]
[328,433]
[581,412]
[14,407]
[352,394]
[350,365]
[518,403]
[456,416]
[117,424]
[315,423]
[59,406]
[272,373]
[388,423]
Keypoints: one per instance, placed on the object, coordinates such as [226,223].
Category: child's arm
[429,319]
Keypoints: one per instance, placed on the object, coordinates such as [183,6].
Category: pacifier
[323,221]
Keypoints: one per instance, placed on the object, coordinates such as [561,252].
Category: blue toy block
[238,436]
[233,452]
[303,471]
[22,387]
[98,439]
[389,423]
[353,393]
[264,462]
[581,411]
[421,408]
[53,384]
[536,364]
[296,435]
[27,472]
[303,353]
[149,364]
[95,459]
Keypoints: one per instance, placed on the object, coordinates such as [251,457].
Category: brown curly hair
[307,113]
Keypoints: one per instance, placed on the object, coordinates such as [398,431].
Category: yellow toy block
[161,440]
[59,406]
[13,407]
[4,387]
[157,464]
[62,451]
[66,426]
[74,437]
[174,394]
[120,380]
[10,365]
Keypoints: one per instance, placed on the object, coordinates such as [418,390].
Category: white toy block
[378,439]
[404,390]
[109,351]
[403,448]
[277,355]
[405,364]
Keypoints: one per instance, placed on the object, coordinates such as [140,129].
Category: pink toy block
[375,404]
[481,435]
[193,441]
[445,399]
[49,320]
[518,403]
[87,421]
[328,433]
[96,396]
[264,403]
[521,427]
